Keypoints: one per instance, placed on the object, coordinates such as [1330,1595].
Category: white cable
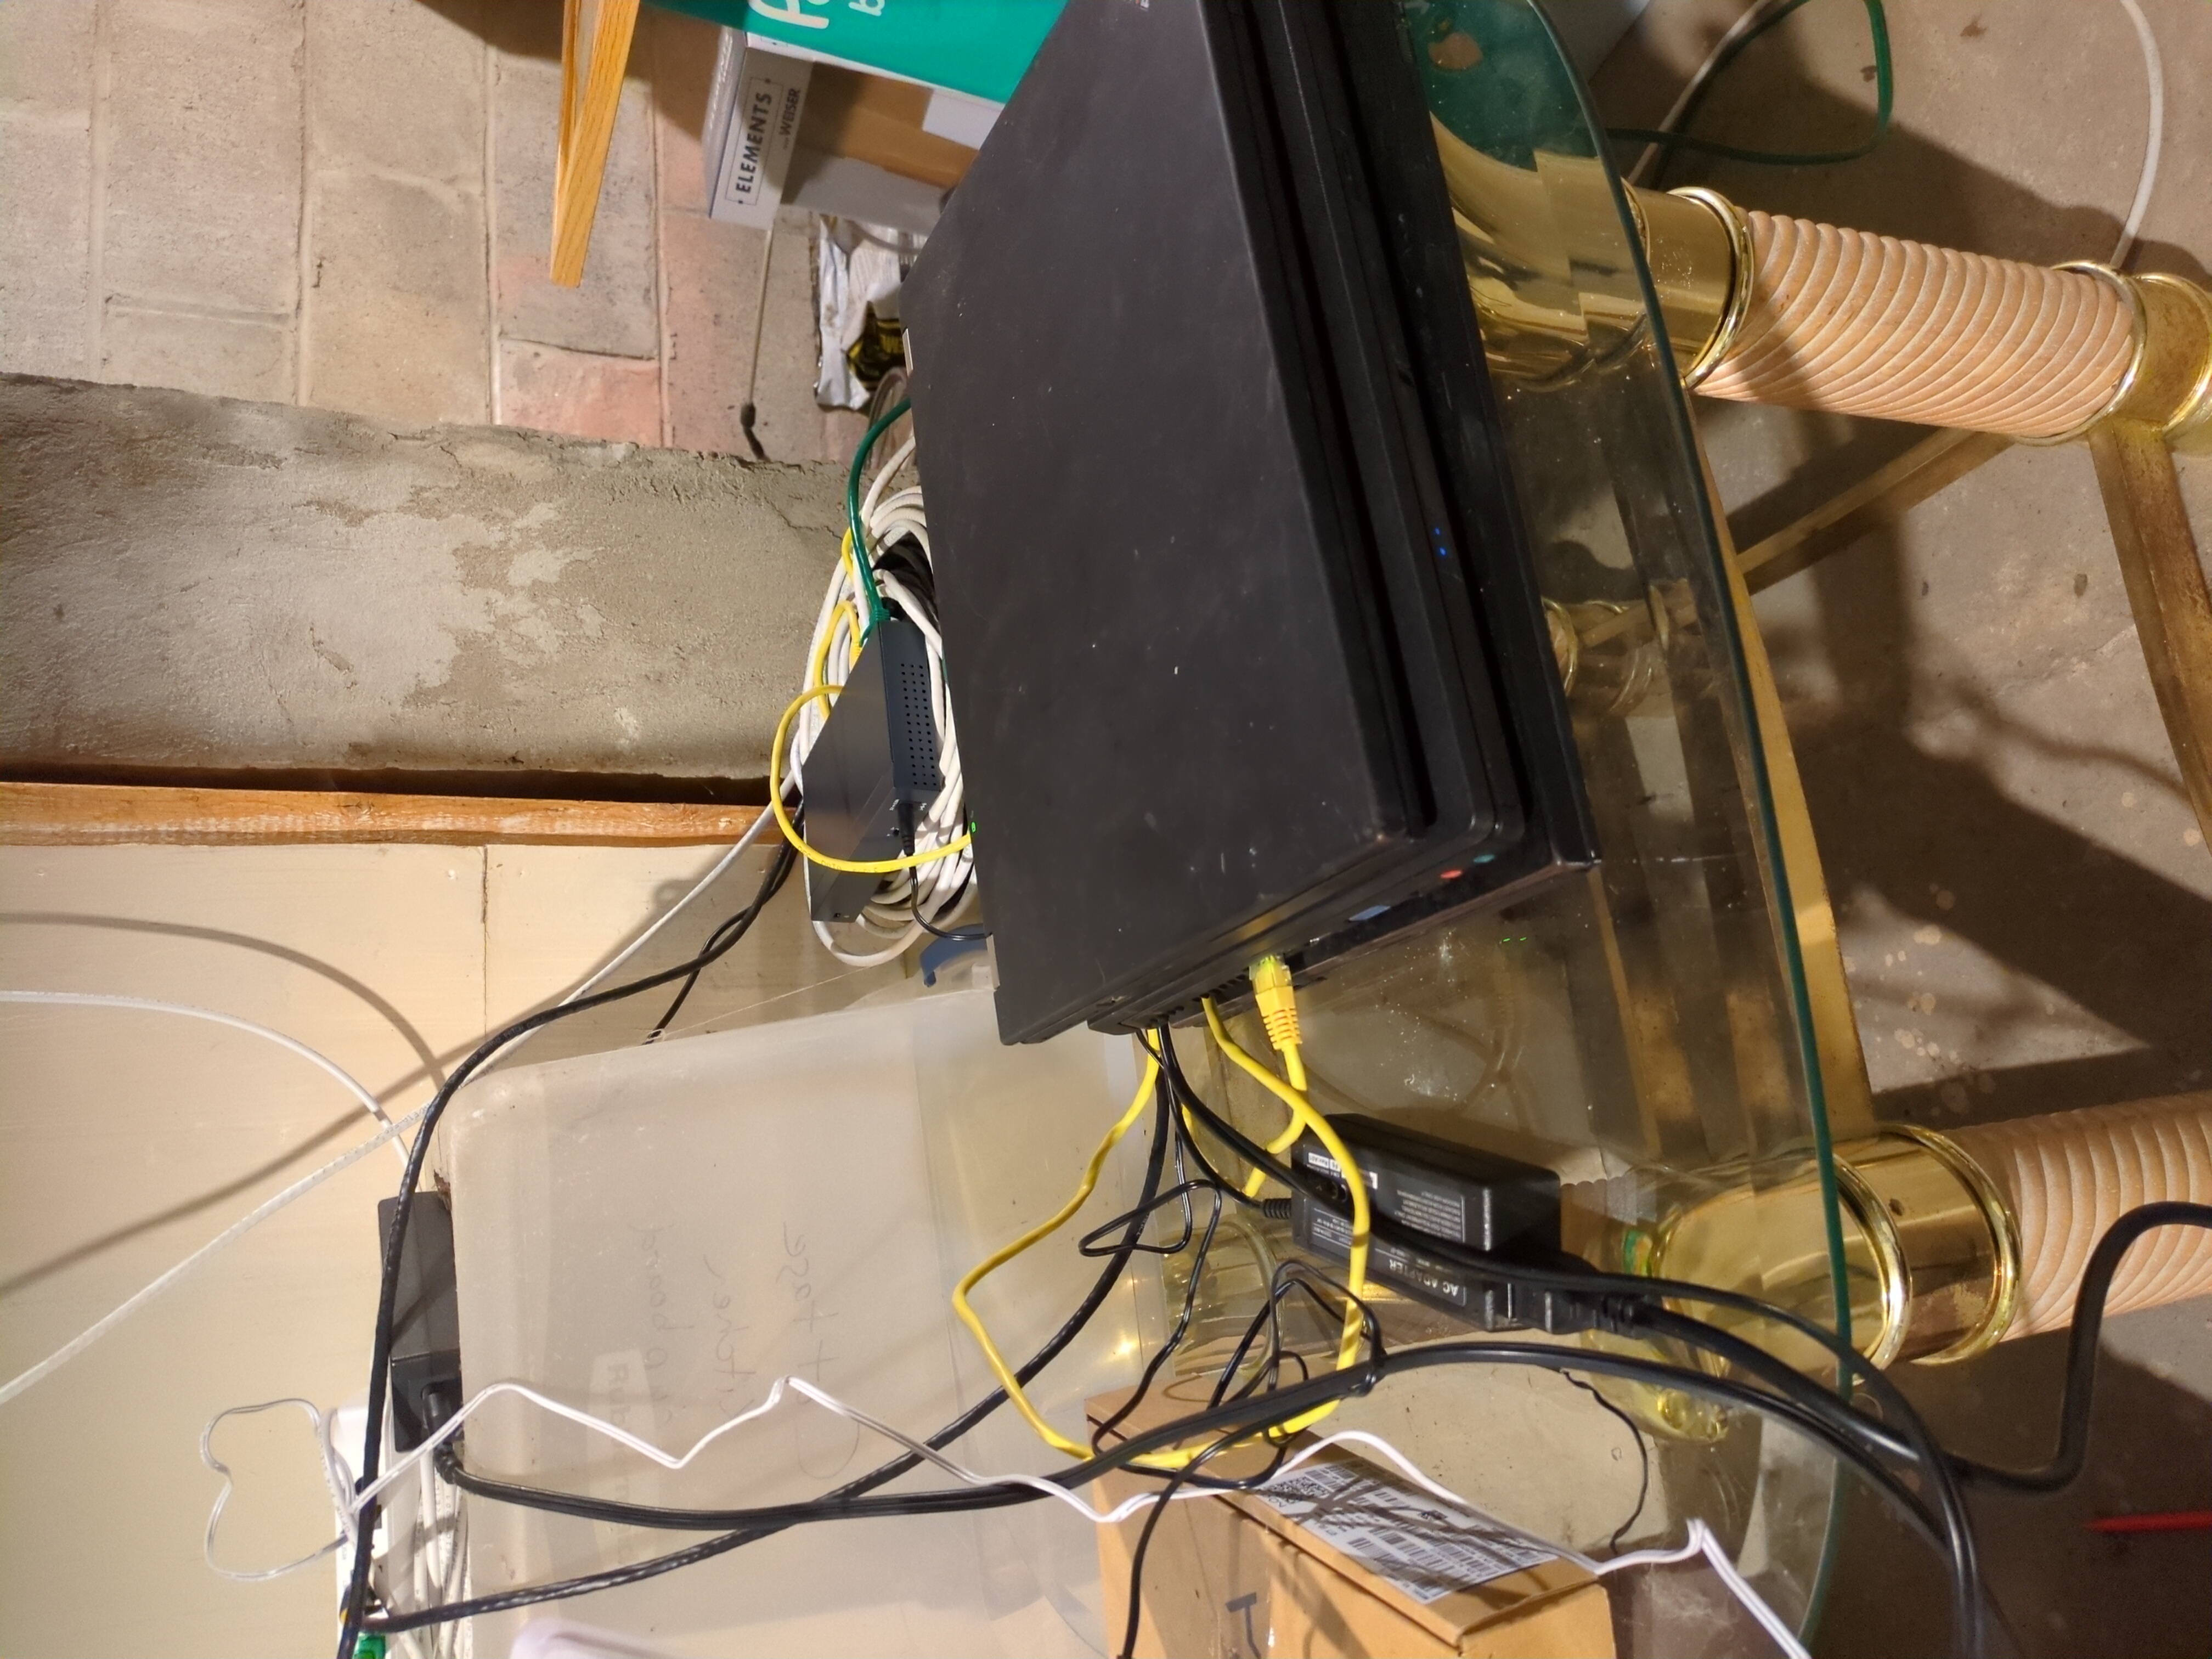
[332,1476]
[291,1045]
[237,1229]
[722,864]
[1701,1539]
[890,952]
[774,1398]
[1702,1542]
[900,456]
[2155,140]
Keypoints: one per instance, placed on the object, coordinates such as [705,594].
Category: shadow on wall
[1909,188]
[346,1124]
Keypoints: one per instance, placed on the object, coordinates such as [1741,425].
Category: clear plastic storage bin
[655,1235]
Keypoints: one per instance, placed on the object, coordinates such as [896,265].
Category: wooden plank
[2165,590]
[564,130]
[1880,499]
[100,815]
[586,128]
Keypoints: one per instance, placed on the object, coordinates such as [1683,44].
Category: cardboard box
[866,117]
[754,114]
[786,130]
[1349,1560]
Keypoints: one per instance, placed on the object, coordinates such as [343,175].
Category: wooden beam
[586,127]
[2165,590]
[102,815]
[1880,499]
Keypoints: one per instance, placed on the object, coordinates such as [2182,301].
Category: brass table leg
[2165,590]
[1835,1028]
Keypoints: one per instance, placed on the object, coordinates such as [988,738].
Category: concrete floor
[2024,898]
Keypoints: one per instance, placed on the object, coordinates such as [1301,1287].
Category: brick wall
[348,204]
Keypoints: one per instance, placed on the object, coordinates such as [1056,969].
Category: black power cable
[1174,1337]
[1642,1462]
[1130,1225]
[726,939]
[1290,1276]
[2073,1448]
[1244,1415]
[1284,1404]
[356,1597]
[1182,1477]
[964,934]
[779,871]
[1803,1405]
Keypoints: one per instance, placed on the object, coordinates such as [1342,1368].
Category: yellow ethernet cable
[1007,1380]
[856,866]
[819,669]
[992,1263]
[1278,1012]
[1304,1117]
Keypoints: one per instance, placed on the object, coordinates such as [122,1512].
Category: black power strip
[1482,1200]
[873,771]
[426,1341]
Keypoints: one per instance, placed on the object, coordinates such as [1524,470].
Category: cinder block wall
[347,204]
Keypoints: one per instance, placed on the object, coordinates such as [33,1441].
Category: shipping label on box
[1342,1560]
[1397,1531]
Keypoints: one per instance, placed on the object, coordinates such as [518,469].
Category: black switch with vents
[873,771]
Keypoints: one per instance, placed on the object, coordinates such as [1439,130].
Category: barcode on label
[1424,1547]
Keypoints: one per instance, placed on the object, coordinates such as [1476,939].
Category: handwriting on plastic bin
[656,1294]
[776,1290]
[825,1446]
[727,1372]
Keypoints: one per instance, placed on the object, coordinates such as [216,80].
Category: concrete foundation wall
[194,583]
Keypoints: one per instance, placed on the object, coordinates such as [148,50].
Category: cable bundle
[885,560]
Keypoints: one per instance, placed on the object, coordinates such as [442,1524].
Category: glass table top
[1644,1028]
